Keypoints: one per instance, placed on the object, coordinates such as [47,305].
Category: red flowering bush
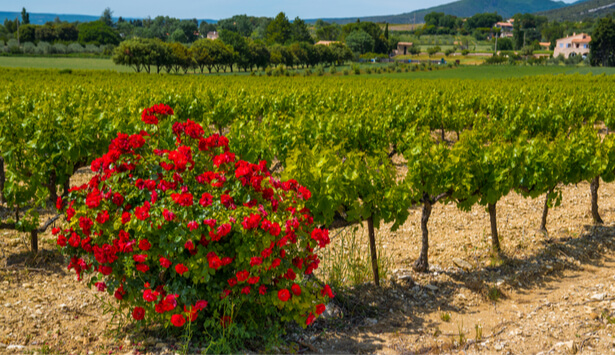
[177,228]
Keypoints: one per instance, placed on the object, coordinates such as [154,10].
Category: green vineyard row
[368,149]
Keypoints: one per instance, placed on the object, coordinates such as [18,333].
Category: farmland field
[373,151]
[61,63]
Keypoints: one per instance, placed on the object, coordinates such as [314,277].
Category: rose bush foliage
[177,228]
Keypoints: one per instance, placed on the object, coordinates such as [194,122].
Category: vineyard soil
[545,293]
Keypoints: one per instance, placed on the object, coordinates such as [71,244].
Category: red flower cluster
[248,237]
[150,115]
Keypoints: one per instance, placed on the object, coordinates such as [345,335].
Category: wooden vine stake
[372,247]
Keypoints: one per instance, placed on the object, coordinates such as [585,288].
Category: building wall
[565,46]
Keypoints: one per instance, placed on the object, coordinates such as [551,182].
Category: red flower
[246,290]
[232,281]
[206,199]
[327,291]
[59,204]
[118,199]
[214,261]
[150,296]
[256,260]
[262,289]
[168,215]
[101,286]
[105,270]
[139,258]
[102,217]
[310,319]
[284,295]
[227,201]
[142,212]
[254,279]
[138,313]
[183,199]
[125,217]
[200,305]
[93,199]
[189,245]
[144,245]
[296,289]
[142,267]
[320,308]
[70,212]
[225,321]
[192,225]
[242,275]
[61,240]
[178,320]
[136,141]
[180,269]
[164,262]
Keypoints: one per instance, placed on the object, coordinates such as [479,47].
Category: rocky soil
[550,294]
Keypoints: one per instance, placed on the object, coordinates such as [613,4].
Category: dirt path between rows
[548,294]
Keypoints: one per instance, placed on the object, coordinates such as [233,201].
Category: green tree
[201,53]
[386,31]
[281,55]
[66,32]
[329,32]
[27,33]
[106,17]
[179,58]
[433,50]
[239,45]
[178,36]
[25,17]
[360,42]
[340,53]
[602,45]
[279,30]
[97,32]
[189,28]
[300,32]
[259,54]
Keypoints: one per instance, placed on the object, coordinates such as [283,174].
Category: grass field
[495,72]
[62,63]
[463,72]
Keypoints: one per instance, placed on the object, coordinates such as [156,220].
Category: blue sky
[222,8]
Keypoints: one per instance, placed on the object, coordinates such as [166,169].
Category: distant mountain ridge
[462,8]
[580,10]
[42,18]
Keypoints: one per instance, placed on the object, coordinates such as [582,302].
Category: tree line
[230,51]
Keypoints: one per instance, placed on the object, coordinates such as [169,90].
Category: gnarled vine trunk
[495,241]
[593,186]
[372,247]
[422,263]
[545,212]
[2,178]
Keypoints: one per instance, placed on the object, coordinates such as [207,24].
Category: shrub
[333,70]
[181,231]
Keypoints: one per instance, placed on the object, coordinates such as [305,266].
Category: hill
[581,10]
[463,8]
[41,18]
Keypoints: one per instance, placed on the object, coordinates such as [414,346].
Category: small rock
[594,316]
[462,264]
[499,282]
[15,347]
[371,321]
[407,279]
[432,288]
[598,296]
[26,285]
[498,346]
